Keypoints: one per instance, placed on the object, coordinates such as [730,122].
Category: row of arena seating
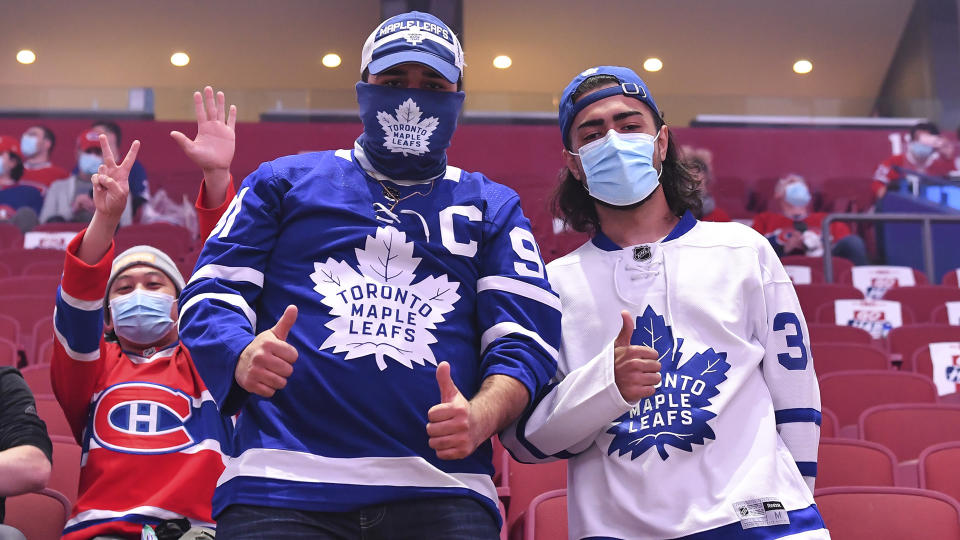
[742,198]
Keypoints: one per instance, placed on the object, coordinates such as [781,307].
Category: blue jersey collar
[687,221]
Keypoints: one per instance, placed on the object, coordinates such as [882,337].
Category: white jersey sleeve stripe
[229,273]
[232,299]
[151,511]
[499,330]
[520,288]
[83,305]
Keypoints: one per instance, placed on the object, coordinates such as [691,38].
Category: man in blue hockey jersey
[686,397]
[374,315]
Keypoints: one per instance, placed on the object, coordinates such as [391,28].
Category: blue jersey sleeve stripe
[787,416]
[229,273]
[502,329]
[519,288]
[807,468]
[231,299]
[90,356]
[79,331]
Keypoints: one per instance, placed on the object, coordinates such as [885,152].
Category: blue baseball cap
[631,85]
[413,37]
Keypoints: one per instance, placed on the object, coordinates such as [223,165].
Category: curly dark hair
[576,207]
[16,172]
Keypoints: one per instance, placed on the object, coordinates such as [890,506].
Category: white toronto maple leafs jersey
[451,274]
[721,449]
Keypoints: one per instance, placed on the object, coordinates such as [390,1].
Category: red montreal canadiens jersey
[152,438]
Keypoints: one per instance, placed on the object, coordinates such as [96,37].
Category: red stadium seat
[10,236]
[9,327]
[761,194]
[832,333]
[848,462]
[28,309]
[813,296]
[732,195]
[526,481]
[827,314]
[907,429]
[951,278]
[61,226]
[846,194]
[18,259]
[940,315]
[904,341]
[42,333]
[38,285]
[8,353]
[173,240]
[888,513]
[44,353]
[922,364]
[40,515]
[48,408]
[38,379]
[828,424]
[919,277]
[5,271]
[831,357]
[938,469]
[65,475]
[44,268]
[547,516]
[849,393]
[923,299]
[841,266]
[503,517]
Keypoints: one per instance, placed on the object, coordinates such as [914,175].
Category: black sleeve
[19,423]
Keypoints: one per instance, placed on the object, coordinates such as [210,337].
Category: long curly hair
[576,207]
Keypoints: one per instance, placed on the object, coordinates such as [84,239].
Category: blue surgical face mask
[142,317]
[619,167]
[29,145]
[920,150]
[797,194]
[89,163]
[406,131]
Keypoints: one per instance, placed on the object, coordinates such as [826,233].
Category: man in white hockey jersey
[686,399]
[374,315]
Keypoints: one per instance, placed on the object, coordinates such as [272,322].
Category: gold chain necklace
[391,193]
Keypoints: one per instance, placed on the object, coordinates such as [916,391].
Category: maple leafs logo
[675,414]
[377,309]
[406,133]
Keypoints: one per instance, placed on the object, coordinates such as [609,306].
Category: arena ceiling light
[802,66]
[502,62]
[653,64]
[179,59]
[26,56]
[331,60]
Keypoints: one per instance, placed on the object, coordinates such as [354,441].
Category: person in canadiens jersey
[374,315]
[686,398]
[153,441]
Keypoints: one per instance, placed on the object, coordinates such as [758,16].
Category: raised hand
[110,184]
[451,428]
[212,149]
[267,362]
[635,368]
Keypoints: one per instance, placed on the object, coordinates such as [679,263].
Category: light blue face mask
[797,194]
[142,317]
[920,150]
[29,145]
[619,167]
[89,163]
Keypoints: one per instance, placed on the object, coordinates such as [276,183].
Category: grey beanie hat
[137,255]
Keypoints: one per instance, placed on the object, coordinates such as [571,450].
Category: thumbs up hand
[268,360]
[451,428]
[635,368]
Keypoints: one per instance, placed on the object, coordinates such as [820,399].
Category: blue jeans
[446,518]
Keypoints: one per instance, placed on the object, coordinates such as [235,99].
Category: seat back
[48,408]
[907,429]
[840,266]
[828,424]
[904,341]
[18,259]
[938,468]
[28,309]
[849,462]
[950,279]
[817,294]
[8,353]
[65,475]
[9,327]
[42,333]
[547,516]
[923,299]
[38,379]
[527,481]
[38,285]
[832,333]
[888,513]
[44,268]
[849,393]
[846,194]
[10,236]
[40,515]
[831,357]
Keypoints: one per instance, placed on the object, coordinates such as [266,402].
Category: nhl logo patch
[414,37]
[641,253]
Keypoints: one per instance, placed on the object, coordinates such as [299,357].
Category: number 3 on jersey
[794,341]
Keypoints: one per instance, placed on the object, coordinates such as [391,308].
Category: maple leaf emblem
[406,133]
[377,309]
[675,414]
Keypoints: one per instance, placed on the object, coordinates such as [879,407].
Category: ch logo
[142,418]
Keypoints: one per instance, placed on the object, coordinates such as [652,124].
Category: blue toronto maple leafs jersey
[722,449]
[451,273]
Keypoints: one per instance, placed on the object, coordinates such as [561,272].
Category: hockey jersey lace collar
[687,221]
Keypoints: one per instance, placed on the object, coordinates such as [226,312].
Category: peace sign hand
[110,185]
